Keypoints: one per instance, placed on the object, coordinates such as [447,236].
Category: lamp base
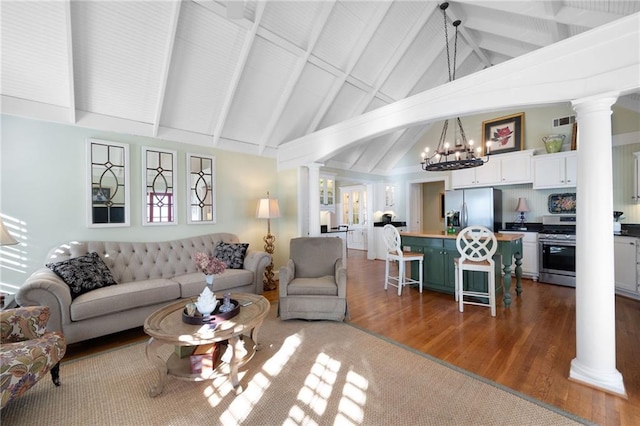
[269,282]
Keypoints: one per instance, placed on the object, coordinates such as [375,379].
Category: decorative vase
[206,302]
[209,281]
[553,143]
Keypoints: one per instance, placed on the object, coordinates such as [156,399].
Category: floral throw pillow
[232,254]
[83,274]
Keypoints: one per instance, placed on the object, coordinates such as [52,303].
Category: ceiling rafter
[321,21]
[164,73]
[395,59]
[455,11]
[407,146]
[508,31]
[72,90]
[564,14]
[356,53]
[558,30]
[392,63]
[237,74]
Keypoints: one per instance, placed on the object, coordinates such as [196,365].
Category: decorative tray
[562,203]
[215,316]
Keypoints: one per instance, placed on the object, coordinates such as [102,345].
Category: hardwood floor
[528,347]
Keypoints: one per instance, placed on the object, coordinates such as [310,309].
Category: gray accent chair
[313,284]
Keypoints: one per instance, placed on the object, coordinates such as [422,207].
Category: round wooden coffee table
[166,327]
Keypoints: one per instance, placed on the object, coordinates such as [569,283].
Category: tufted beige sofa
[149,276]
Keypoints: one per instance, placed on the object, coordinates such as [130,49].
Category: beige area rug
[314,373]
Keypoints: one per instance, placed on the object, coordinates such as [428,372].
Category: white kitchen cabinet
[555,170]
[515,168]
[389,196]
[530,267]
[502,169]
[626,261]
[327,192]
[486,175]
[636,179]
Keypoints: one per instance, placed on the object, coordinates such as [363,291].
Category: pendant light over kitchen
[462,153]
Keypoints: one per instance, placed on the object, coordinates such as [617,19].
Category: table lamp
[521,208]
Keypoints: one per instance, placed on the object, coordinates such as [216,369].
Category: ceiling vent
[563,121]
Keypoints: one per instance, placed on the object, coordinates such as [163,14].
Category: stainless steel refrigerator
[477,206]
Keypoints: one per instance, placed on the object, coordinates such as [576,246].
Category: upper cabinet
[503,169]
[389,196]
[327,192]
[555,170]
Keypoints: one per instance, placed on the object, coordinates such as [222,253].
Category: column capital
[594,103]
[314,166]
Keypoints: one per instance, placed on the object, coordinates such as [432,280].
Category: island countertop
[442,234]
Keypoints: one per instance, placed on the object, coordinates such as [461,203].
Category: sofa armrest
[45,288]
[287,273]
[256,262]
[25,323]
[341,278]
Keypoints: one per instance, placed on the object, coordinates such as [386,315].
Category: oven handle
[567,243]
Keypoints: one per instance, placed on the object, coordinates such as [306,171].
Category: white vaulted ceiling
[187,71]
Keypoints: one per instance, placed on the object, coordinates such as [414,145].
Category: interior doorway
[427,208]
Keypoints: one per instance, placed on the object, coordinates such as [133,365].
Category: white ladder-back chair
[395,253]
[476,245]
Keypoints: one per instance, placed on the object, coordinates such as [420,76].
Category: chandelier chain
[462,154]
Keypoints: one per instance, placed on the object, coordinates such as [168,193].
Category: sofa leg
[55,374]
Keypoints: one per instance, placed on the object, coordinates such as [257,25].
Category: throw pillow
[232,254]
[83,274]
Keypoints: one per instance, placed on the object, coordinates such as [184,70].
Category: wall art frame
[506,134]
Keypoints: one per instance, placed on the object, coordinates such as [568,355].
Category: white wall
[43,186]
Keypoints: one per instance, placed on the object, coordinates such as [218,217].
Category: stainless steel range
[557,250]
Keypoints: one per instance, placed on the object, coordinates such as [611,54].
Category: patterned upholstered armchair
[28,352]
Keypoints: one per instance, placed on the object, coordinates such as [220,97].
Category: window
[159,189]
[108,189]
[201,198]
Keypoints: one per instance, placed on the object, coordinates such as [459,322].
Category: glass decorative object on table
[226,306]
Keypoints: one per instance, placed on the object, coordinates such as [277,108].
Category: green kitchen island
[439,271]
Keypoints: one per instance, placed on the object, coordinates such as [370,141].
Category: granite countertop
[629,230]
[530,227]
[394,223]
[442,234]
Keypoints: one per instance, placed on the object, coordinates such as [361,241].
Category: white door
[354,214]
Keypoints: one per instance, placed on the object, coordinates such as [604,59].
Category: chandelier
[462,154]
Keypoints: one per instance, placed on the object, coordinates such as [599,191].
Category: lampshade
[5,237]
[522,205]
[268,208]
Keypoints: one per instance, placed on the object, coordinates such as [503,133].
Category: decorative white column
[595,361]
[314,199]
